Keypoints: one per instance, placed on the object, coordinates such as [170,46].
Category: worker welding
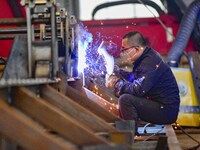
[99,75]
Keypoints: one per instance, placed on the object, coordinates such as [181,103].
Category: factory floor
[188,138]
[187,142]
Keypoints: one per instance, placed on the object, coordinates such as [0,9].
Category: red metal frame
[6,12]
[115,29]
[149,27]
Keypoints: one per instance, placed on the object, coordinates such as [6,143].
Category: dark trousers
[134,108]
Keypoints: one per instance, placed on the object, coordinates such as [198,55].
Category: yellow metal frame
[189,108]
[1,70]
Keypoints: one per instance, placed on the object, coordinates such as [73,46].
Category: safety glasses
[125,49]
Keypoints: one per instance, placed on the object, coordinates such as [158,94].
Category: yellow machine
[2,66]
[189,108]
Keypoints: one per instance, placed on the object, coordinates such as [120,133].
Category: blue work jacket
[152,78]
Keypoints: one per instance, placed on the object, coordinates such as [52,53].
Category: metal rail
[22,21]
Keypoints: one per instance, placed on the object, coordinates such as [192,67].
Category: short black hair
[135,38]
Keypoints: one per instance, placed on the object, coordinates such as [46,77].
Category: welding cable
[115,3]
[142,143]
[191,148]
[144,128]
[152,135]
[186,27]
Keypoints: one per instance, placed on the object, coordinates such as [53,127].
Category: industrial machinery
[35,57]
[45,104]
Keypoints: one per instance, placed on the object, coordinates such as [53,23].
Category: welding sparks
[95,60]
[84,39]
[95,57]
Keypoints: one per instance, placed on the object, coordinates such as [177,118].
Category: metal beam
[91,105]
[101,102]
[104,92]
[27,133]
[55,119]
[77,94]
[75,110]
[171,138]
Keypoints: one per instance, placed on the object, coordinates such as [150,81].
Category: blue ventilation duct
[186,27]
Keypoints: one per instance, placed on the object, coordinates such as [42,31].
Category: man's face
[128,52]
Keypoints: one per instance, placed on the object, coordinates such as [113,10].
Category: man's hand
[111,80]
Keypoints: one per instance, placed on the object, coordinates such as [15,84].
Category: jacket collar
[147,49]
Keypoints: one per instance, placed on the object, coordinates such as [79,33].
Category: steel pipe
[22,21]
